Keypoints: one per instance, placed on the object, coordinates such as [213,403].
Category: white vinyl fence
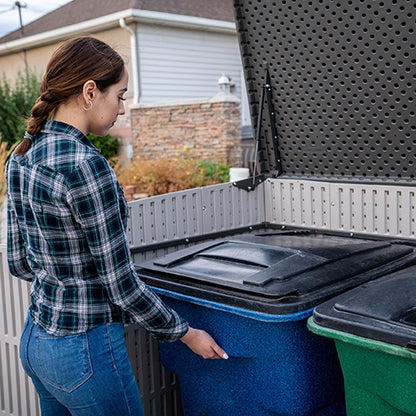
[167,222]
[17,394]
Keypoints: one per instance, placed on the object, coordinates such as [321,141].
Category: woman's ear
[89,90]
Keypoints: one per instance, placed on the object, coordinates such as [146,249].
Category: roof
[78,11]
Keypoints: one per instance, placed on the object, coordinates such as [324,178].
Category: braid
[41,111]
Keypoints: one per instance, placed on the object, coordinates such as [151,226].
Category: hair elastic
[28,136]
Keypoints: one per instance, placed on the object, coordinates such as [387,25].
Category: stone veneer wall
[208,129]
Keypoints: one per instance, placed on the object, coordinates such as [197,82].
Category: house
[176,50]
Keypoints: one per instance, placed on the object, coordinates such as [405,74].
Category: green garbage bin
[374,329]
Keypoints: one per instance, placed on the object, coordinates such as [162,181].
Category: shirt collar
[58,127]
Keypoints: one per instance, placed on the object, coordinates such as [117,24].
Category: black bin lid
[274,273]
[383,310]
[339,95]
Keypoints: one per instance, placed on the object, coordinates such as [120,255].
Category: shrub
[4,156]
[163,175]
[218,172]
[15,105]
[108,146]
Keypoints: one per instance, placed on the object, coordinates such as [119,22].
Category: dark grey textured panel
[159,388]
[343,85]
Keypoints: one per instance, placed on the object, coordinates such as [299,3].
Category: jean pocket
[63,362]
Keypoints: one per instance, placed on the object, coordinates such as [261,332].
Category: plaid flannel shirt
[67,217]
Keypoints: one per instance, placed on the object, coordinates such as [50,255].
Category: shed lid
[383,309]
[275,273]
[342,88]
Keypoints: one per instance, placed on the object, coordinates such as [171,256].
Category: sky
[31,10]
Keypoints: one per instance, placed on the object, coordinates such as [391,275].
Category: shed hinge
[250,184]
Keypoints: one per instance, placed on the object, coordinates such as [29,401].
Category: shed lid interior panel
[339,87]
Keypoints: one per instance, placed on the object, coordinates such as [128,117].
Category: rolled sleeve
[16,250]
[100,208]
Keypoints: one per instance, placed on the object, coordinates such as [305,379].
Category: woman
[66,235]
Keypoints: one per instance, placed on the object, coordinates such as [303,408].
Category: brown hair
[71,65]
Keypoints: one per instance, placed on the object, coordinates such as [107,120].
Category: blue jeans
[81,375]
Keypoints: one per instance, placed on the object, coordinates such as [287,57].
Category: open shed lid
[338,82]
[274,273]
[383,310]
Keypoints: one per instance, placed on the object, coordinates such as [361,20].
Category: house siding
[178,63]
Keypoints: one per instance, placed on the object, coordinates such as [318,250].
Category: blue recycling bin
[253,294]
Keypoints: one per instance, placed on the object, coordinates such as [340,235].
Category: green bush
[15,104]
[108,146]
[218,172]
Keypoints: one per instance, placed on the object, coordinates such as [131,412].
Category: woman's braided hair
[75,62]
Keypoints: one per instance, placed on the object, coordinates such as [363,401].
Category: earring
[90,107]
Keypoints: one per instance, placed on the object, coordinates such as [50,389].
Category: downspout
[134,61]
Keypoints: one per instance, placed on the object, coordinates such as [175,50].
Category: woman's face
[107,106]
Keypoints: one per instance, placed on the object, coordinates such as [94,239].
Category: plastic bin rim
[368,343]
[246,313]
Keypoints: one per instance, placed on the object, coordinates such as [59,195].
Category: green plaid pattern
[67,218]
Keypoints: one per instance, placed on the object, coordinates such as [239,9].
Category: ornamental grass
[163,175]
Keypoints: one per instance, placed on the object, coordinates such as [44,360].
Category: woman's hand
[201,343]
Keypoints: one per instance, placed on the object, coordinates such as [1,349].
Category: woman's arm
[16,250]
